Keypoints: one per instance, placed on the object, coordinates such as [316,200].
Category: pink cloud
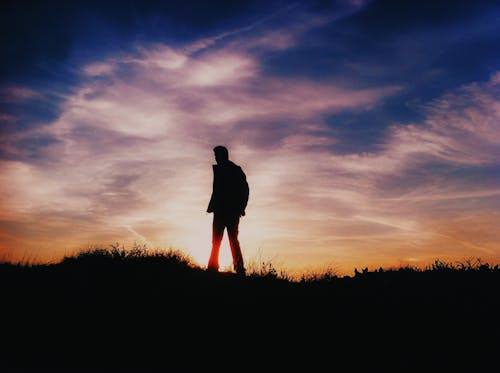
[133,161]
[137,148]
[15,93]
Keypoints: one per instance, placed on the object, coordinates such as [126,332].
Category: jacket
[230,190]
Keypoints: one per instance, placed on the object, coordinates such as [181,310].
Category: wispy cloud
[16,93]
[132,151]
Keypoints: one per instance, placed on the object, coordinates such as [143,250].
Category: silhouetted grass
[144,310]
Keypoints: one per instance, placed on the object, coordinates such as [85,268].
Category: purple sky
[369,131]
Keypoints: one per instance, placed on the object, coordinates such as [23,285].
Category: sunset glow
[363,144]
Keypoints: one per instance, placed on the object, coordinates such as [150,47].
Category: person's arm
[245,192]
[211,204]
[210,207]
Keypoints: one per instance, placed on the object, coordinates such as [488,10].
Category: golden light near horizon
[194,237]
[353,164]
[197,242]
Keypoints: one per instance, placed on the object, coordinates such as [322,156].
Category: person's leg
[217,235]
[232,232]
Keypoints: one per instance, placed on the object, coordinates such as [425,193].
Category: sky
[369,131]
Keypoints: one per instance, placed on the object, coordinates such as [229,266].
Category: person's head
[221,154]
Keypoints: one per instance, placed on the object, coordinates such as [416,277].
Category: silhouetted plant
[409,268]
[468,265]
[266,269]
[118,253]
[357,273]
[327,275]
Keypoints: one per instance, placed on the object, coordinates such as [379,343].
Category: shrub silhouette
[143,310]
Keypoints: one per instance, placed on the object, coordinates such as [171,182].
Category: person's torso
[228,186]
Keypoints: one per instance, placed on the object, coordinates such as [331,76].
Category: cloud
[132,154]
[133,143]
[15,93]
[413,198]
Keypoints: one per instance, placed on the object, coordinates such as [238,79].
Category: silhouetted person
[228,203]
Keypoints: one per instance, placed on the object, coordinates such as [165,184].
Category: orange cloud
[132,162]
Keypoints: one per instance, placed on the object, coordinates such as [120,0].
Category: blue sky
[369,130]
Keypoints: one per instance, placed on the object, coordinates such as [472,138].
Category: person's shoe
[212,269]
[241,272]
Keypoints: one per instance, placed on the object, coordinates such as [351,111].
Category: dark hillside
[116,311]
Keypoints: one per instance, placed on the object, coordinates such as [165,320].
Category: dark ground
[104,313]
